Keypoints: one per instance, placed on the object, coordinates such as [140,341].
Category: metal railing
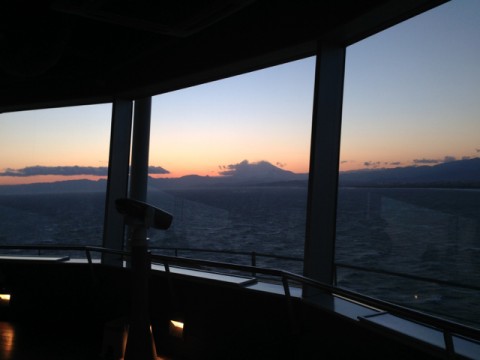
[409,276]
[253,256]
[287,277]
[447,327]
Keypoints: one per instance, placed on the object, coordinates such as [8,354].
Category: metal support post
[140,343]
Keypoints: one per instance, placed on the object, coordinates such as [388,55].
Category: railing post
[254,262]
[90,265]
[89,256]
[449,347]
[286,289]
[149,260]
[334,274]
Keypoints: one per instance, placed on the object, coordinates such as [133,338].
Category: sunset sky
[412,96]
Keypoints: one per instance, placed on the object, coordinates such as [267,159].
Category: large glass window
[230,160]
[53,173]
[408,225]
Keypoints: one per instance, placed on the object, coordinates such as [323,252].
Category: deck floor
[20,340]
[50,341]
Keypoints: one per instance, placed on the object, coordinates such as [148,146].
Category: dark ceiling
[77,51]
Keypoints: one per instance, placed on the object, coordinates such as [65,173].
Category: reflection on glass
[53,175]
[231,163]
[408,226]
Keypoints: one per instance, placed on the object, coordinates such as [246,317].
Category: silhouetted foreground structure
[124,52]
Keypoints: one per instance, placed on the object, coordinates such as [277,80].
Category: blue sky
[413,91]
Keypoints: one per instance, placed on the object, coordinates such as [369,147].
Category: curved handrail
[254,255]
[409,276]
[448,327]
[224,251]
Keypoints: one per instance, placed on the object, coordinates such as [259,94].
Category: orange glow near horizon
[215,170]
[25,180]
[177,172]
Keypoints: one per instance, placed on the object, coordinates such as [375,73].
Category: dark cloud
[157,170]
[68,171]
[478,150]
[449,158]
[395,163]
[466,157]
[246,169]
[426,161]
[343,161]
[233,168]
[56,170]
[372,163]
[280,165]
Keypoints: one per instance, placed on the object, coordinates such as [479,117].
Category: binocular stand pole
[140,343]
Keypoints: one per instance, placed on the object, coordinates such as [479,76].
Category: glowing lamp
[5,299]
[176,328]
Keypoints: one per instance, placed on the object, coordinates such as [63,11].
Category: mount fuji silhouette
[461,173]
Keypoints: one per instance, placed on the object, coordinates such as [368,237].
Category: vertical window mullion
[117,183]
[324,164]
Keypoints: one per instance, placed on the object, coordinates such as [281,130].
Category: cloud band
[68,171]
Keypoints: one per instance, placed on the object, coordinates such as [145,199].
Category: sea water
[424,233]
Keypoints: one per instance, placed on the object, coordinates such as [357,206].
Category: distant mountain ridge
[461,173]
[453,173]
[244,174]
[67,186]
